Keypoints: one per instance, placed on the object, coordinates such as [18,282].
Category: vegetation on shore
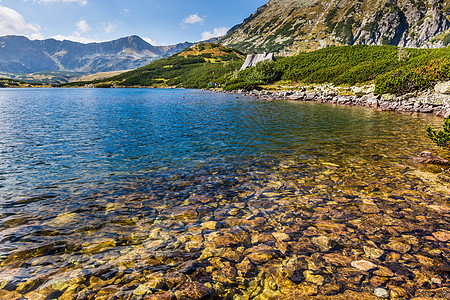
[392,69]
[441,137]
[12,83]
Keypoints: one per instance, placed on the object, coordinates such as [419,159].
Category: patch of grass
[446,40]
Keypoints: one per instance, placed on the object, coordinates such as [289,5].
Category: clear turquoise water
[75,162]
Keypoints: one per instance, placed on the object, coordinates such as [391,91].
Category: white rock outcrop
[253,59]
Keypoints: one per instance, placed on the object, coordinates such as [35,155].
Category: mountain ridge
[18,54]
[286,26]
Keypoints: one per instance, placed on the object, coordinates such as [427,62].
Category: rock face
[286,26]
[253,59]
[20,55]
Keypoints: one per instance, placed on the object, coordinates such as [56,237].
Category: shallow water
[133,193]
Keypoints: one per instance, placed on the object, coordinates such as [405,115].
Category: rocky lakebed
[352,219]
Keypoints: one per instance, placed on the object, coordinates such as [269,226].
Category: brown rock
[427,157]
[399,246]
[322,242]
[260,257]
[175,279]
[281,237]
[442,236]
[373,253]
[426,261]
[245,267]
[316,279]
[384,272]
[337,259]
[211,225]
[377,281]
[330,289]
[155,280]
[397,292]
[364,265]
[160,296]
[262,238]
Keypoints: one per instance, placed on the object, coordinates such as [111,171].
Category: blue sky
[161,22]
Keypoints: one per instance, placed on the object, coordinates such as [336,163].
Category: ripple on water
[143,195]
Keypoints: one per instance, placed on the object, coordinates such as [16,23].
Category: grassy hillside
[392,69]
[194,67]
[12,83]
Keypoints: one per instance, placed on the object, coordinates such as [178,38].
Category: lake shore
[430,102]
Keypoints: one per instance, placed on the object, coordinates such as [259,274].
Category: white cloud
[125,12]
[109,27]
[83,26]
[149,40]
[74,38]
[217,32]
[13,23]
[81,2]
[194,19]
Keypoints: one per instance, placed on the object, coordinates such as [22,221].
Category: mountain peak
[18,54]
[287,26]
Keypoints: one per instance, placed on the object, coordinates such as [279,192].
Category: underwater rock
[382,293]
[364,265]
[322,242]
[373,253]
[427,157]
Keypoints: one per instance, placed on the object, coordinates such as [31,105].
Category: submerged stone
[363,265]
[382,293]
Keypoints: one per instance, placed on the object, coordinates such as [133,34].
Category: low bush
[248,86]
[441,137]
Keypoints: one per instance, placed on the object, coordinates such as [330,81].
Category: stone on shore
[443,87]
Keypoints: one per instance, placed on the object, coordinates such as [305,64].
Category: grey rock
[443,88]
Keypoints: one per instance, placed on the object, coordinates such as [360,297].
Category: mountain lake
[187,194]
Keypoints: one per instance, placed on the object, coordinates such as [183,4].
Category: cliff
[286,26]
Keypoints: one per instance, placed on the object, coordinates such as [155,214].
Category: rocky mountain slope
[198,66]
[287,26]
[20,55]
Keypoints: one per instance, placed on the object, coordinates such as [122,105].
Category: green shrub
[103,86]
[441,137]
[248,86]
[447,40]
[264,72]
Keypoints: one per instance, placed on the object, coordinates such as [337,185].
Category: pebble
[382,293]
[363,265]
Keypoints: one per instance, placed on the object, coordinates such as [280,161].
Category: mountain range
[288,26]
[18,54]
[281,26]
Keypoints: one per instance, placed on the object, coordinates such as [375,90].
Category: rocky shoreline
[430,101]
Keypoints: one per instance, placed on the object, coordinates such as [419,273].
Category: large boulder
[443,88]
